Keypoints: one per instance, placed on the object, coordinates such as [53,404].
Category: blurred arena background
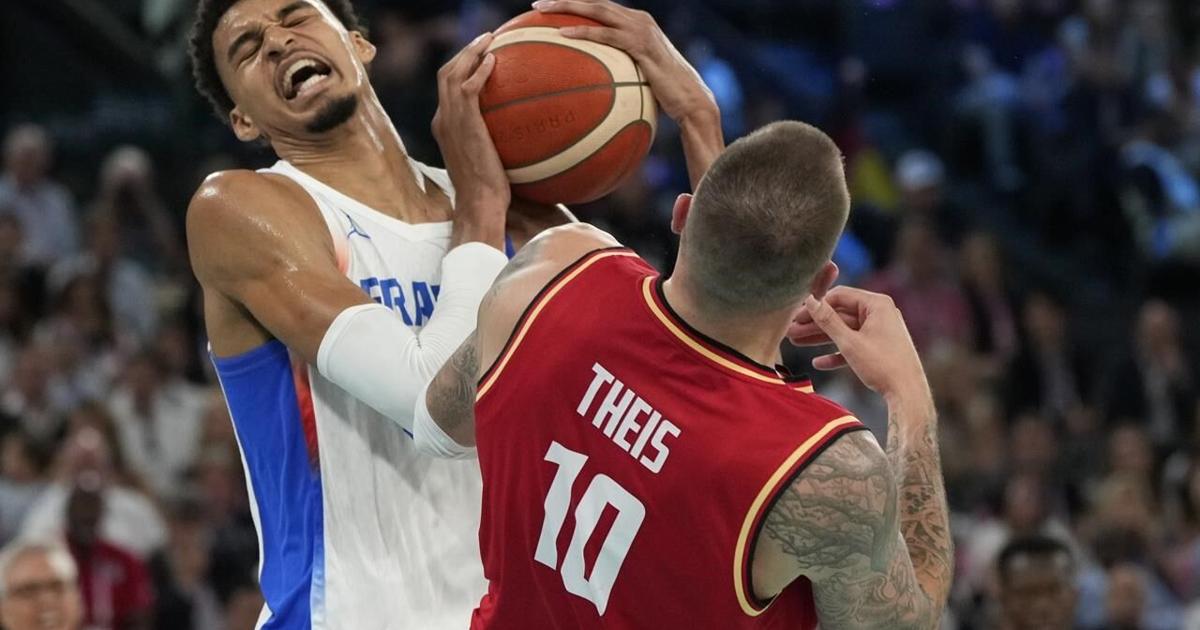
[1025,184]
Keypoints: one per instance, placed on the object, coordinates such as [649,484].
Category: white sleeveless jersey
[357,529]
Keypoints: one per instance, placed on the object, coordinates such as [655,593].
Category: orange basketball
[570,118]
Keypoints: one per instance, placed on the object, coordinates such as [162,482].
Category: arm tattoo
[451,396]
[924,518]
[838,525]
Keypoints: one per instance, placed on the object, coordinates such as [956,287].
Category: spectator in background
[994,338]
[44,207]
[1183,559]
[1125,532]
[130,520]
[184,599]
[37,395]
[1049,376]
[39,588]
[13,325]
[158,420]
[1036,585]
[117,594]
[144,230]
[129,236]
[848,391]
[1106,56]
[243,606]
[1025,511]
[1125,600]
[22,480]
[1156,386]
[918,280]
[24,283]
[125,288]
[80,332]
[1161,195]
[921,182]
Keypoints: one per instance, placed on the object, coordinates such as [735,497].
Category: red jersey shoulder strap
[539,302]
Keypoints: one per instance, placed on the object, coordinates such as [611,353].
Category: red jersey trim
[308,414]
[714,351]
[535,308]
[776,484]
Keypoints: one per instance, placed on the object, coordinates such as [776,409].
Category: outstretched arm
[870,530]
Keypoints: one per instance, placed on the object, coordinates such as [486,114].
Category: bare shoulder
[545,256]
[566,243]
[238,218]
[237,199]
[838,525]
[840,511]
[533,267]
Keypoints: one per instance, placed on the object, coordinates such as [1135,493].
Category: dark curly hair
[204,64]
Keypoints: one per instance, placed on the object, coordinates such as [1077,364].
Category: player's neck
[756,336]
[363,158]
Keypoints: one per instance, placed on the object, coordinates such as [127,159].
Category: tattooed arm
[450,397]
[869,529]
[837,525]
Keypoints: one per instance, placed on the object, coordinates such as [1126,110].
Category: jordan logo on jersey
[618,412]
[355,230]
[414,302]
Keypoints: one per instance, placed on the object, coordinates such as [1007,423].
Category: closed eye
[297,21]
[250,53]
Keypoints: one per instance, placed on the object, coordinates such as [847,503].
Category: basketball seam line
[587,157]
[584,88]
[641,93]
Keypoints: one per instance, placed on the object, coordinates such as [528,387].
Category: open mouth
[303,75]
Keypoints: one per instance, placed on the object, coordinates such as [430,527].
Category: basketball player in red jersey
[645,466]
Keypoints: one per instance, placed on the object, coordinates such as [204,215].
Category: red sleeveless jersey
[628,463]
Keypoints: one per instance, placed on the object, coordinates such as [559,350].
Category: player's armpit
[262,244]
[837,525]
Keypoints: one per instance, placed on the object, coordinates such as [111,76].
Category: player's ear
[679,213]
[364,49]
[823,281]
[243,126]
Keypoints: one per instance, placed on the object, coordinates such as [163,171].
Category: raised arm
[870,529]
[445,415]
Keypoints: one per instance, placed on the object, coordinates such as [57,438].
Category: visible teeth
[309,82]
[302,63]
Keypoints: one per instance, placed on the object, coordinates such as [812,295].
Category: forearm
[450,398]
[373,355]
[912,449]
[702,140]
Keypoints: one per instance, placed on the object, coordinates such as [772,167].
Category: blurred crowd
[1026,184]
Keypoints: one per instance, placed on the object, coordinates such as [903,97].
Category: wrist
[703,115]
[914,399]
[479,222]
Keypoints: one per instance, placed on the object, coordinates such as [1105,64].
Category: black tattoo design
[840,524]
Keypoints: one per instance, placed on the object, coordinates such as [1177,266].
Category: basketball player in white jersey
[337,282]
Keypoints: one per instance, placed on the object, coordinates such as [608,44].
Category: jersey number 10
[602,491]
